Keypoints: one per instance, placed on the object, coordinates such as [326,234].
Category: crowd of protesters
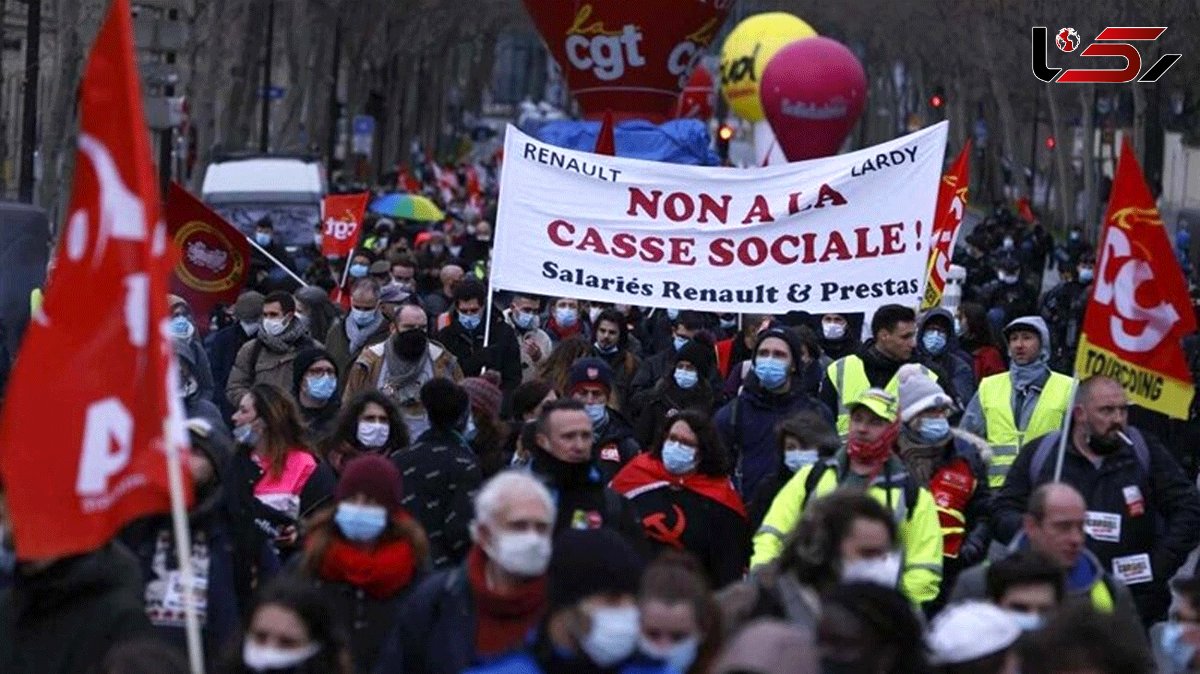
[407,475]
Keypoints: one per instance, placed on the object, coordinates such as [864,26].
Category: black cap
[588,562]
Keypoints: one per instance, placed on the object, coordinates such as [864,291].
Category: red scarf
[561,332]
[645,470]
[502,620]
[381,572]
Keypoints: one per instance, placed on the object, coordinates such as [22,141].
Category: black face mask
[410,344]
[1110,443]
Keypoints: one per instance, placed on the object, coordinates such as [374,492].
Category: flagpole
[272,258]
[487,320]
[183,548]
[1066,430]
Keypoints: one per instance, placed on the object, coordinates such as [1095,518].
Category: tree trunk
[1087,103]
[1061,155]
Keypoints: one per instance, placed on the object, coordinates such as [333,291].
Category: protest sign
[838,234]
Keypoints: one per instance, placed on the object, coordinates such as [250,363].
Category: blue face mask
[771,372]
[1179,651]
[727,323]
[246,435]
[933,429]
[470,321]
[1086,274]
[471,429]
[566,317]
[596,412]
[934,341]
[525,321]
[262,238]
[679,342]
[795,459]
[686,379]
[361,523]
[321,387]
[363,317]
[678,457]
[358,270]
[181,327]
[672,314]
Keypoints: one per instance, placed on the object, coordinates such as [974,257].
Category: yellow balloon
[746,53]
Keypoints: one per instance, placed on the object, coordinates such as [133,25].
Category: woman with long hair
[291,629]
[684,498]
[556,369]
[369,424]
[680,621]
[685,386]
[364,553]
[274,480]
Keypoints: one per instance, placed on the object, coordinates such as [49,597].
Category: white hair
[493,497]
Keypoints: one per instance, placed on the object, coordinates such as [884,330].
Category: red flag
[947,219]
[343,223]
[83,439]
[1139,310]
[606,142]
[215,256]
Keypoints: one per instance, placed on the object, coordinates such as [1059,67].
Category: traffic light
[938,98]
[1051,142]
[724,135]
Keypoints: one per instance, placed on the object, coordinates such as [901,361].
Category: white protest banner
[844,233]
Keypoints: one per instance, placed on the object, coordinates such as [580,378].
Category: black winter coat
[614,445]
[664,398]
[434,629]
[441,476]
[64,619]
[584,500]
[502,354]
[1157,507]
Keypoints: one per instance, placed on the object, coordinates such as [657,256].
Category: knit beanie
[918,392]
[305,360]
[588,562]
[699,354]
[373,476]
[484,394]
[248,306]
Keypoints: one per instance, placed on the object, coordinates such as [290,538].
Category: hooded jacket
[747,426]
[257,363]
[958,365]
[65,618]
[318,420]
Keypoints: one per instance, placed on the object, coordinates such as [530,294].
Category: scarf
[1030,377]
[502,620]
[381,572]
[292,335]
[645,472]
[404,377]
[875,453]
[561,333]
[359,336]
[921,460]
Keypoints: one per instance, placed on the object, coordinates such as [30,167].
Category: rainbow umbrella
[407,207]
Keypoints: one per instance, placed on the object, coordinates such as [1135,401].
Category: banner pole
[272,258]
[1062,441]
[487,314]
[183,549]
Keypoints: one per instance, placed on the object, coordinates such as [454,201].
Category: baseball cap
[879,401]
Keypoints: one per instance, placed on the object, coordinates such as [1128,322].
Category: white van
[288,189]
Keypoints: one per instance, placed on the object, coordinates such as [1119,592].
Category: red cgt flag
[1139,310]
[947,220]
[84,435]
[214,258]
[343,223]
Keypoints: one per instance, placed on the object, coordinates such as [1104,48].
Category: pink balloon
[813,91]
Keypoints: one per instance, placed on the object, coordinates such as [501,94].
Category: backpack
[911,492]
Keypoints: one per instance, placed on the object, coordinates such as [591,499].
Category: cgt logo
[1113,41]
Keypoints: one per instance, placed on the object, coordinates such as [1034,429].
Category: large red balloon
[628,56]
[813,91]
[697,98]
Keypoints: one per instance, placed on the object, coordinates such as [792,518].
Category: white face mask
[373,433]
[525,553]
[274,326]
[250,327]
[833,330]
[883,571]
[795,459]
[678,657]
[265,658]
[613,636]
